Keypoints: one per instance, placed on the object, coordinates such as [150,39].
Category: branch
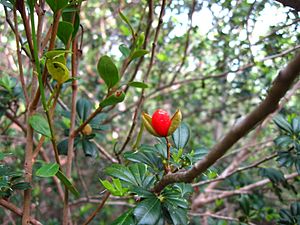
[281,85]
[245,189]
[140,102]
[91,217]
[295,4]
[16,210]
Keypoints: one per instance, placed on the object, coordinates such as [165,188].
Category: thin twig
[18,211]
[140,102]
[98,209]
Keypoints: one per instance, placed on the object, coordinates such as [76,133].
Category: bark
[280,86]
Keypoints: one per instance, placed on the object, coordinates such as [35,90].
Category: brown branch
[72,127]
[158,90]
[295,4]
[18,211]
[16,121]
[214,216]
[140,102]
[97,210]
[245,153]
[245,189]
[21,73]
[237,171]
[280,86]
[105,153]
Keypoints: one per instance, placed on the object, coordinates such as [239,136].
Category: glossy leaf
[148,211]
[276,176]
[283,141]
[89,148]
[108,71]
[83,108]
[48,170]
[138,53]
[135,174]
[125,219]
[296,125]
[125,19]
[56,5]
[137,84]
[181,136]
[67,183]
[21,186]
[57,54]
[124,50]
[40,125]
[67,16]
[114,188]
[281,122]
[62,147]
[147,156]
[65,31]
[113,99]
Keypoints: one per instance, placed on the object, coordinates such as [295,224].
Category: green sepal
[175,122]
[147,121]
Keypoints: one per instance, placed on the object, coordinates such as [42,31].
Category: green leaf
[83,108]
[285,158]
[135,174]
[281,122]
[297,165]
[141,192]
[58,70]
[138,53]
[40,125]
[148,211]
[108,71]
[125,219]
[62,147]
[295,209]
[124,50]
[178,215]
[115,188]
[146,156]
[57,54]
[56,5]
[296,125]
[7,82]
[138,84]
[21,186]
[283,141]
[199,153]
[113,99]
[276,176]
[67,183]
[181,136]
[124,18]
[67,16]
[48,170]
[176,157]
[89,148]
[64,32]
[7,3]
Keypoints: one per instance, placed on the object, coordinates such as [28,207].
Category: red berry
[161,122]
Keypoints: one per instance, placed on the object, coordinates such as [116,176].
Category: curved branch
[295,4]
[281,85]
[16,210]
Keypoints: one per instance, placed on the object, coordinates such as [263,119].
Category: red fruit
[161,122]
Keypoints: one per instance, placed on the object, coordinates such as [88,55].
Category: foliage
[79,77]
